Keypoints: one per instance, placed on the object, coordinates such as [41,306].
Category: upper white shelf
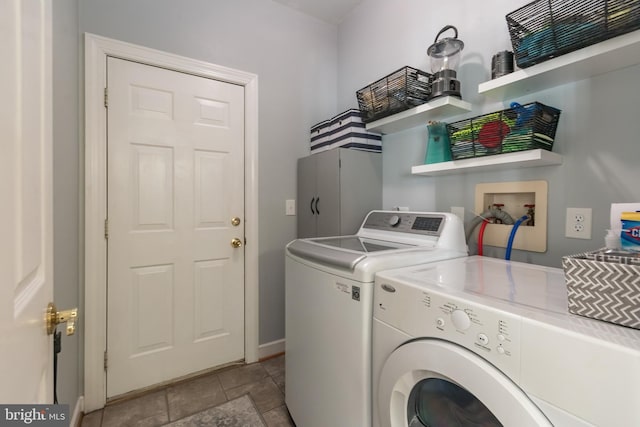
[518,159]
[609,55]
[435,110]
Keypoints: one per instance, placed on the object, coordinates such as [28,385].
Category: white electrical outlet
[290,207]
[578,223]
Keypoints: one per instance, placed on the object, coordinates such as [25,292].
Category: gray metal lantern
[445,57]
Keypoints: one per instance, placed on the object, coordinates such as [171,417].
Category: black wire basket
[519,128]
[544,29]
[399,91]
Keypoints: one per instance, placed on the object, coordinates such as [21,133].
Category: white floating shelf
[609,55]
[435,110]
[519,159]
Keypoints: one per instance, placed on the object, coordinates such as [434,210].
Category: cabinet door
[307,172]
[328,193]
[360,187]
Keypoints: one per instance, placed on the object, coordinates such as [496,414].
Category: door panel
[152,303]
[26,221]
[175,180]
[328,182]
[307,172]
[360,187]
[152,185]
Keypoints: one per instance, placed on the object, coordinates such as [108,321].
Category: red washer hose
[481,235]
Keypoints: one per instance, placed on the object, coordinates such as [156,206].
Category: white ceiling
[332,11]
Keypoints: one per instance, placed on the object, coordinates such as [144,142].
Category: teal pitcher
[438,148]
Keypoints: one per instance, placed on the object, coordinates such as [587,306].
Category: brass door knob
[236,243]
[235,221]
[55,317]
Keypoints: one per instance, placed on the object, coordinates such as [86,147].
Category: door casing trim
[97,49]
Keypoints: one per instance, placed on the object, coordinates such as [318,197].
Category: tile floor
[263,382]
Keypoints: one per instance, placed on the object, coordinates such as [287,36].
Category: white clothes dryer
[328,303]
[479,341]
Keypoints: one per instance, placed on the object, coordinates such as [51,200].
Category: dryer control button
[501,337]
[440,322]
[500,349]
[460,320]
[483,339]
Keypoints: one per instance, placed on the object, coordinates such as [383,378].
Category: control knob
[460,320]
[394,221]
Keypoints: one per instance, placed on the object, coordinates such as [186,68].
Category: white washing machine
[479,341]
[328,300]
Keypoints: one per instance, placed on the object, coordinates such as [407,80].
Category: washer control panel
[427,312]
[407,222]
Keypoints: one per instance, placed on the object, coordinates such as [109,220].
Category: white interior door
[26,276]
[175,182]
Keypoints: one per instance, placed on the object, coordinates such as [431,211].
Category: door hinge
[106,98]
[106,229]
[105,360]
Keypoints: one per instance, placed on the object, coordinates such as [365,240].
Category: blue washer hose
[507,255]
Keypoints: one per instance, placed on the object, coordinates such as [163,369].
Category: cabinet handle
[317,209]
[311,206]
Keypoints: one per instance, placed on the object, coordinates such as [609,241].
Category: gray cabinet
[336,189]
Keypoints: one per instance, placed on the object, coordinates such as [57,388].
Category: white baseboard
[270,349]
[77,412]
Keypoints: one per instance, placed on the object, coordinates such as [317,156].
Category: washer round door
[435,383]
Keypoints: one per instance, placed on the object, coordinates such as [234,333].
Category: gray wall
[67,190]
[597,133]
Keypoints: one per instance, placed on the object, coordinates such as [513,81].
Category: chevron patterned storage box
[602,290]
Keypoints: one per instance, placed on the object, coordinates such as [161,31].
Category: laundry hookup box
[604,287]
[346,130]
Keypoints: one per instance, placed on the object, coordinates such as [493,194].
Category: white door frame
[97,49]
